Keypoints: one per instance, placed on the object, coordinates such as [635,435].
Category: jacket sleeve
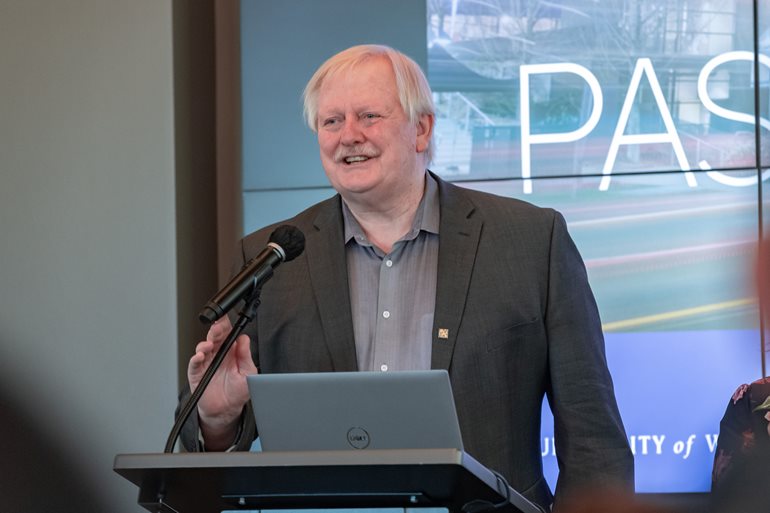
[591,444]
[192,440]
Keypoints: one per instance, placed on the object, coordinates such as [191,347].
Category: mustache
[344,152]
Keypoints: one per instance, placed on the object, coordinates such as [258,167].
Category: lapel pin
[443,333]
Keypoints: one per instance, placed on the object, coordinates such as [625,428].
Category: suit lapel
[459,233]
[329,277]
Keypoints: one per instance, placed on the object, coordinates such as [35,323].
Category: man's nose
[351,132]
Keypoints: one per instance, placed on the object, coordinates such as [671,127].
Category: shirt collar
[426,217]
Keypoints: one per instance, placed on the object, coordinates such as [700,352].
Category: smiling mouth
[355,158]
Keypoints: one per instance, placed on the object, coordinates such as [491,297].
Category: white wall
[87,227]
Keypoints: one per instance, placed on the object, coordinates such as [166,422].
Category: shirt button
[386,314]
[383,367]
[389,263]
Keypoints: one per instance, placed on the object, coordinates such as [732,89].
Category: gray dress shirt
[393,296]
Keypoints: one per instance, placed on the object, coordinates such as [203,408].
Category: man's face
[369,149]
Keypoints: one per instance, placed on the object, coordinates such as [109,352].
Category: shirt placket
[388,315]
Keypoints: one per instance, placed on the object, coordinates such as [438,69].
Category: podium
[404,478]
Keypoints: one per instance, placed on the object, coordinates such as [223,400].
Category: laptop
[355,410]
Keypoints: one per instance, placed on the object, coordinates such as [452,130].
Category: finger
[204,353]
[214,333]
[219,330]
[205,346]
[243,355]
[200,360]
[224,321]
[195,368]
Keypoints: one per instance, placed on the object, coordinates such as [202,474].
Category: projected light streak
[643,194]
[690,251]
[732,181]
[637,322]
[714,321]
[683,212]
[632,207]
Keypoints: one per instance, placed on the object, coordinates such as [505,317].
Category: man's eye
[329,122]
[370,115]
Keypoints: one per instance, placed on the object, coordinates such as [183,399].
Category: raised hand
[220,407]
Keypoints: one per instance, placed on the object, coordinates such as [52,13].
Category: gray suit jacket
[522,321]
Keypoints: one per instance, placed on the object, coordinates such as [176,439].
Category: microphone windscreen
[291,240]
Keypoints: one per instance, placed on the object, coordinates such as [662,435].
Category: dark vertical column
[195,167]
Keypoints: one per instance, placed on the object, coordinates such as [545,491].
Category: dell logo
[358,438]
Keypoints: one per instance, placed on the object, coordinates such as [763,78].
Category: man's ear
[424,131]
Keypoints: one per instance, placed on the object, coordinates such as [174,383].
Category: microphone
[286,243]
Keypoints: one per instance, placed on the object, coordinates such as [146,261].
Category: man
[404,271]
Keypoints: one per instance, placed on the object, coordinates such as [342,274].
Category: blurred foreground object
[38,473]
